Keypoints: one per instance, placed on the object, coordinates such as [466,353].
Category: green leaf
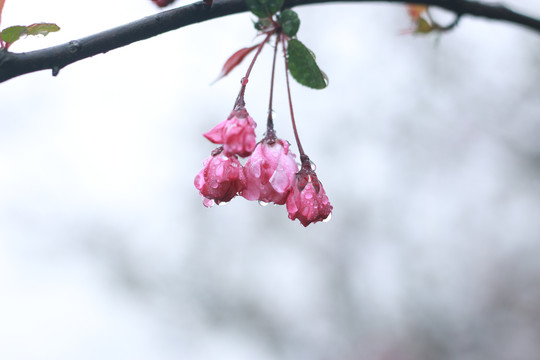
[423,27]
[13,33]
[264,8]
[303,67]
[42,29]
[289,22]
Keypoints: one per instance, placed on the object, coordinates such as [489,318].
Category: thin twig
[57,57]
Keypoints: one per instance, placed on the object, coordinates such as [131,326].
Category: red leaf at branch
[234,61]
[422,22]
[1,8]
[415,11]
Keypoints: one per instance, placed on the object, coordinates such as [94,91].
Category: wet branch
[57,57]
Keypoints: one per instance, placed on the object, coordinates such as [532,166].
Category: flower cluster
[270,173]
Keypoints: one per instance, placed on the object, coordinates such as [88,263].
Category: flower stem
[270,133]
[240,103]
[300,149]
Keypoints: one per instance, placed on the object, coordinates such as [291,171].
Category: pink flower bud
[270,172]
[237,134]
[220,179]
[307,200]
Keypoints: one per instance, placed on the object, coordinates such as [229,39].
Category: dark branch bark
[57,57]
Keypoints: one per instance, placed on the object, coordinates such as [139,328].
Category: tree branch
[57,57]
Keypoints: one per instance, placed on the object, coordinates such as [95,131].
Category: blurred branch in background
[57,57]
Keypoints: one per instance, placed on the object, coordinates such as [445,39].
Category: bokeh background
[428,147]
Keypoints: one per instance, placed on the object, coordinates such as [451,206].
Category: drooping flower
[270,172]
[220,179]
[307,200]
[237,133]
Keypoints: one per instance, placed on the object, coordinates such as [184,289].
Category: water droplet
[256,170]
[214,184]
[199,181]
[308,195]
[262,203]
[328,218]
[208,203]
[220,170]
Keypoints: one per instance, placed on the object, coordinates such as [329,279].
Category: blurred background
[427,147]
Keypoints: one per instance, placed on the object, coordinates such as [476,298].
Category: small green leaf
[42,29]
[423,27]
[289,22]
[264,8]
[303,66]
[13,33]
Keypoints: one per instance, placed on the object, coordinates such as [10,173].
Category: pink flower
[307,200]
[220,179]
[270,172]
[237,134]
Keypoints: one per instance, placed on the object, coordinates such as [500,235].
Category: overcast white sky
[427,148]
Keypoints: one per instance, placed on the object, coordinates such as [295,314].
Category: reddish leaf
[415,11]
[234,61]
[1,8]
[422,22]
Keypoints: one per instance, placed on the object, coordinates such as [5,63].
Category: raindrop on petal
[208,203]
[220,170]
[199,181]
